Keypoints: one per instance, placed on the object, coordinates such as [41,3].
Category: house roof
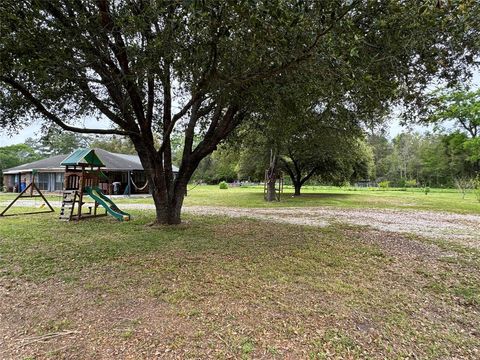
[83,157]
[51,163]
[112,162]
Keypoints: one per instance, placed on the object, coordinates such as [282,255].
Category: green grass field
[218,287]
[448,200]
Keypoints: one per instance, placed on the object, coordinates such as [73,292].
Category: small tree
[463,184]
[476,187]
[332,157]
[411,183]
[385,184]
[462,107]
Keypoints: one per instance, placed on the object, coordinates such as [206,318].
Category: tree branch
[295,164]
[289,169]
[83,85]
[43,110]
[219,129]
[102,64]
[119,49]
[168,130]
[309,175]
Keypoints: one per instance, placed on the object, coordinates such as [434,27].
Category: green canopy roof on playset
[82,157]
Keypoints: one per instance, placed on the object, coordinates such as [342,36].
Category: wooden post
[32,182]
[65,179]
[97,179]
[129,183]
[81,185]
[14,200]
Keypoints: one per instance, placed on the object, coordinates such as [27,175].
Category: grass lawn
[233,288]
[438,199]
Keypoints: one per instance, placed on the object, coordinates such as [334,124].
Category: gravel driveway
[461,228]
[464,229]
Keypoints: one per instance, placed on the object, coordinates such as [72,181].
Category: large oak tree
[201,67]
[334,157]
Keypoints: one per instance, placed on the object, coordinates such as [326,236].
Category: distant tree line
[431,159]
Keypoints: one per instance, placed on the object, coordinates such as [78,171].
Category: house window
[59,181]
[42,181]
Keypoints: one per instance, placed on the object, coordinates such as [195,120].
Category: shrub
[411,183]
[384,184]
[400,183]
[223,185]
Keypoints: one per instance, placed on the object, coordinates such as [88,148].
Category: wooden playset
[82,177]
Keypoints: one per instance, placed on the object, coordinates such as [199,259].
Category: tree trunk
[271,190]
[271,178]
[167,193]
[297,185]
[168,210]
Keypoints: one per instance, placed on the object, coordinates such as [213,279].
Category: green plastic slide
[97,195]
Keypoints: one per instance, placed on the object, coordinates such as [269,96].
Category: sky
[394,127]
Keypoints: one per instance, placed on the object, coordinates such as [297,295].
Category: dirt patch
[56,320]
[399,246]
